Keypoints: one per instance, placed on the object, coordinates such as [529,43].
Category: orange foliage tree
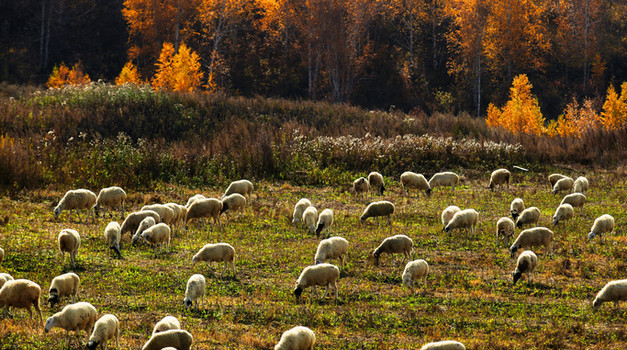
[576,119]
[128,75]
[62,75]
[614,114]
[178,71]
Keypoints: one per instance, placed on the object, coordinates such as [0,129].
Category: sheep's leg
[326,289]
[335,287]
[226,265]
[342,260]
[233,266]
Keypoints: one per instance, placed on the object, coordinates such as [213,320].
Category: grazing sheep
[376,209]
[233,202]
[112,235]
[398,244]
[216,253]
[176,338]
[529,216]
[21,294]
[74,317]
[195,290]
[499,178]
[411,180]
[299,210]
[194,198]
[243,187]
[107,327]
[447,215]
[69,242]
[310,216]
[562,213]
[158,236]
[444,345]
[166,323]
[465,219]
[62,286]
[565,184]
[202,208]
[317,275]
[110,198]
[516,207]
[533,237]
[416,270]
[376,182]
[580,185]
[146,223]
[180,213]
[553,178]
[297,338]
[331,248]
[165,212]
[75,200]
[505,229]
[132,221]
[4,278]
[603,224]
[444,179]
[361,185]
[615,291]
[325,220]
[575,199]
[527,262]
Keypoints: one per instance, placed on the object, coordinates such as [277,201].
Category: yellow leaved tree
[178,71]
[576,119]
[62,75]
[128,75]
[614,114]
[522,113]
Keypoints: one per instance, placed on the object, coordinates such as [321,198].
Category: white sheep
[416,270]
[148,221]
[176,338]
[158,236]
[203,208]
[505,228]
[1,255]
[577,200]
[581,185]
[299,210]
[398,244]
[21,294]
[411,180]
[74,317]
[297,338]
[375,180]
[563,213]
[565,184]
[317,275]
[112,235]
[132,221]
[526,263]
[377,209]
[195,290]
[216,253]
[361,185]
[553,178]
[331,248]
[444,179]
[602,225]
[243,187]
[109,198]
[180,213]
[310,216]
[4,278]
[533,237]
[529,216]
[165,212]
[165,324]
[466,219]
[325,220]
[64,285]
[615,291]
[499,178]
[75,200]
[447,214]
[444,345]
[107,327]
[194,198]
[69,241]
[233,202]
[516,207]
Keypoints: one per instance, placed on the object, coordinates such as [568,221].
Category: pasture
[469,295]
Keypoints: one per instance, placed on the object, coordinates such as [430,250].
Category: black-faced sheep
[466,219]
[516,207]
[317,275]
[195,290]
[64,285]
[526,263]
[529,216]
[376,182]
[398,244]
[107,327]
[533,237]
[602,225]
[499,178]
[325,220]
[110,198]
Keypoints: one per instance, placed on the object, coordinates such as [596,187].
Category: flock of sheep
[155,224]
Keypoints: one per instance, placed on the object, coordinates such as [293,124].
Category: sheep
[21,294]
[444,179]
[233,202]
[398,244]
[499,178]
[331,248]
[580,185]
[201,208]
[505,229]
[376,209]
[216,252]
[575,199]
[444,345]
[74,317]
[565,184]
[317,275]
[143,225]
[157,236]
[112,235]
[165,212]
[195,290]
[299,210]
[553,178]
[516,207]
[243,187]
[107,327]
[465,219]
[1,255]
[526,262]
[166,323]
[69,242]
[529,216]
[4,278]
[325,220]
[361,185]
[414,271]
[133,220]
[375,180]
[447,215]
[615,291]
[418,181]
[562,213]
[180,212]
[310,216]
[75,200]
[297,338]
[176,338]
[194,198]
[109,198]
[603,224]
[63,285]
[533,237]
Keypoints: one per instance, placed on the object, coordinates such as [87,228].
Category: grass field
[469,295]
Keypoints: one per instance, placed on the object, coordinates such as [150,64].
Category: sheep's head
[188,302]
[53,298]
[556,220]
[515,214]
[57,211]
[195,260]
[519,224]
[448,228]
[363,218]
[513,249]
[516,275]
[375,256]
[382,188]
[596,304]
[491,186]
[92,345]
[297,292]
[225,207]
[97,210]
[136,238]
[591,235]
[49,324]
[428,192]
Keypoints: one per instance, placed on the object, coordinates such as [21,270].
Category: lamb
[165,212]
[243,187]
[418,181]
[527,262]
[158,236]
[603,224]
[74,317]
[505,229]
[107,327]
[615,291]
[529,216]
[194,198]
[201,208]
[398,244]
[575,199]
[297,338]
[143,225]
[325,220]
[516,207]
[580,185]
[63,285]
[444,179]
[133,220]
[21,294]
[562,213]
[533,237]
[375,180]
[465,219]
[331,248]
[109,198]
[233,202]
[176,338]
[299,210]
[444,345]
[195,290]
[499,178]
[376,209]
[447,215]
[310,216]
[4,278]
[361,185]
[414,271]
[565,184]
[216,252]
[317,275]
[166,323]
[69,242]
[112,235]
[553,178]
[75,200]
